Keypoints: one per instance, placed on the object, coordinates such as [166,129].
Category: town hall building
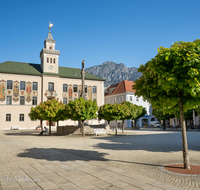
[23,85]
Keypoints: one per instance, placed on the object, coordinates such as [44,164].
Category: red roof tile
[123,86]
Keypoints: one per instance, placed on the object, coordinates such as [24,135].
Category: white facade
[130,96]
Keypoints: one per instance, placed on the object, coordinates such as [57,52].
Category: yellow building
[23,85]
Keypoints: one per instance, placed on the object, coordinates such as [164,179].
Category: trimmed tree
[35,114]
[171,81]
[158,113]
[126,111]
[105,112]
[50,111]
[138,111]
[82,110]
[61,114]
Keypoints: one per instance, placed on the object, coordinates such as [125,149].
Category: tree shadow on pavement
[56,154]
[168,142]
[64,155]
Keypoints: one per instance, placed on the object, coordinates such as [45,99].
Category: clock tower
[49,56]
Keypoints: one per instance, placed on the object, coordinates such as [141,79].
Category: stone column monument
[83,95]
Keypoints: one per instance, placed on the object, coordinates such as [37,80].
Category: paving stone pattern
[134,161]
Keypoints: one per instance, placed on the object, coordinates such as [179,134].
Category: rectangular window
[8,100]
[130,98]
[22,100]
[8,117]
[54,60]
[137,99]
[114,100]
[22,85]
[75,98]
[35,86]
[51,86]
[21,117]
[94,99]
[9,84]
[65,88]
[34,101]
[75,88]
[94,89]
[47,60]
[50,60]
[65,101]
[85,88]
[121,99]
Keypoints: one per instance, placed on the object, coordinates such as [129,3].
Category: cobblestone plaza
[135,160]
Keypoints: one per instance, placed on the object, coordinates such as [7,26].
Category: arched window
[9,100]
[94,89]
[34,100]
[47,60]
[50,60]
[51,86]
[22,100]
[9,84]
[54,60]
[8,117]
[75,88]
[21,117]
[50,47]
[22,85]
[65,89]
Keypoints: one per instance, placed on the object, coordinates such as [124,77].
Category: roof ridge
[116,87]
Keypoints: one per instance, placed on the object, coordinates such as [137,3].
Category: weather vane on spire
[50,25]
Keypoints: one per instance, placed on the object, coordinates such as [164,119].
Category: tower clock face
[50,67]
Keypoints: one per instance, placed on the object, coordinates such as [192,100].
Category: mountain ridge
[114,72]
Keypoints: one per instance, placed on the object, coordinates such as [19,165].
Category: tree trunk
[82,128]
[116,128]
[135,122]
[41,125]
[49,127]
[164,126]
[186,161]
[123,126]
[109,123]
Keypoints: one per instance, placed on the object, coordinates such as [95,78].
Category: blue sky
[122,31]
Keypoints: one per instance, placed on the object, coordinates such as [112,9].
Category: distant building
[119,92]
[23,85]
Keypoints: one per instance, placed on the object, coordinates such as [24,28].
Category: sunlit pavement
[133,160]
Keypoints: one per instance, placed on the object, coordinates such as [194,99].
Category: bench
[100,131]
[15,127]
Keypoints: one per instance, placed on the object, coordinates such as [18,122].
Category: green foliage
[188,114]
[81,109]
[171,74]
[51,109]
[35,113]
[158,113]
[138,111]
[106,112]
[126,110]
